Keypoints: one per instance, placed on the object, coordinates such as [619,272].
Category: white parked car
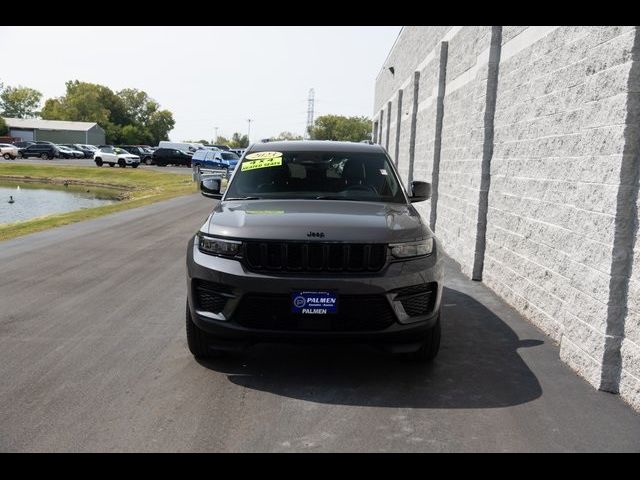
[113,156]
[8,151]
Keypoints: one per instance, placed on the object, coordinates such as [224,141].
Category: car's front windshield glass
[120,151]
[230,156]
[316,175]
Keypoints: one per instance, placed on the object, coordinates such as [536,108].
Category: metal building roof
[30,123]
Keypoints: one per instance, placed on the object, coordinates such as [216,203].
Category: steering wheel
[368,188]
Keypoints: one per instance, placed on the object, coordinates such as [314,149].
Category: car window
[200,155]
[229,156]
[319,175]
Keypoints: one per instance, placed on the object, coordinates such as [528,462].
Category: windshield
[316,175]
[120,151]
[230,156]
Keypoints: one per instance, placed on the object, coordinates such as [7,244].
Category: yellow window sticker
[261,160]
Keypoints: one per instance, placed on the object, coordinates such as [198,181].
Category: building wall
[60,136]
[96,136]
[23,135]
[535,175]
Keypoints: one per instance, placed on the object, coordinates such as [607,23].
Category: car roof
[315,146]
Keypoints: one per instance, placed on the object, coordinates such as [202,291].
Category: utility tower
[310,106]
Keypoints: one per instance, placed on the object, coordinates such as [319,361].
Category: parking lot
[93,357]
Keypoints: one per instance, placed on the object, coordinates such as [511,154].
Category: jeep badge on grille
[316,234]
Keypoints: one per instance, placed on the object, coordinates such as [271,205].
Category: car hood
[316,220]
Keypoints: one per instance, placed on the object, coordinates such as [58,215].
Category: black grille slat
[356,258]
[314,257]
[355,313]
[294,257]
[264,256]
[378,257]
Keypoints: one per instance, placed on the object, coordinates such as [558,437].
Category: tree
[128,116]
[220,140]
[4,129]
[159,125]
[239,141]
[86,102]
[135,135]
[19,102]
[287,136]
[337,127]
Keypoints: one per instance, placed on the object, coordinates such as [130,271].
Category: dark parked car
[42,150]
[146,155]
[87,152]
[171,156]
[23,144]
[314,240]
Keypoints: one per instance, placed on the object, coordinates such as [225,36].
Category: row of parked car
[178,154]
[45,150]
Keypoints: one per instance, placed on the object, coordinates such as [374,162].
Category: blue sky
[210,76]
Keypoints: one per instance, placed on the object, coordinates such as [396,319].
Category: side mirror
[210,187]
[420,191]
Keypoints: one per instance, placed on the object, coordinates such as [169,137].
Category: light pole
[215,140]
[249,130]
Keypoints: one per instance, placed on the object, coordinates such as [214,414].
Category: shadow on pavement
[478,367]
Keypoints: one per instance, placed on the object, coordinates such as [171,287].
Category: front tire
[429,349]
[44,156]
[148,161]
[198,340]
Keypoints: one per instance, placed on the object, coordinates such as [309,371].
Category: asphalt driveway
[93,357]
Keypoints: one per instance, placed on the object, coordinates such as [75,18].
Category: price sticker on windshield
[257,160]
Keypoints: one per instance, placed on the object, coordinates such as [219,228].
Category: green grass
[134,188]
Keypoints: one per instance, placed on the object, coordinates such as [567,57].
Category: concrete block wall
[533,153]
[462,143]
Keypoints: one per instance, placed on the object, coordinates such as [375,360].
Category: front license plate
[314,303]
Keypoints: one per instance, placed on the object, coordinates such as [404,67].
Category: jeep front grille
[314,257]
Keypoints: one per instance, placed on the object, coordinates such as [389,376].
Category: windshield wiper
[243,198]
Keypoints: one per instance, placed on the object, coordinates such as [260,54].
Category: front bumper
[404,332]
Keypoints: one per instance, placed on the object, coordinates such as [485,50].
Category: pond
[37,199]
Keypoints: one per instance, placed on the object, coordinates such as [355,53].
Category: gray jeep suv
[314,240]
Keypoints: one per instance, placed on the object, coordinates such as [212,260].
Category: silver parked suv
[314,240]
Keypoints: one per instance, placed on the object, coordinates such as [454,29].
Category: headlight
[412,249]
[217,246]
